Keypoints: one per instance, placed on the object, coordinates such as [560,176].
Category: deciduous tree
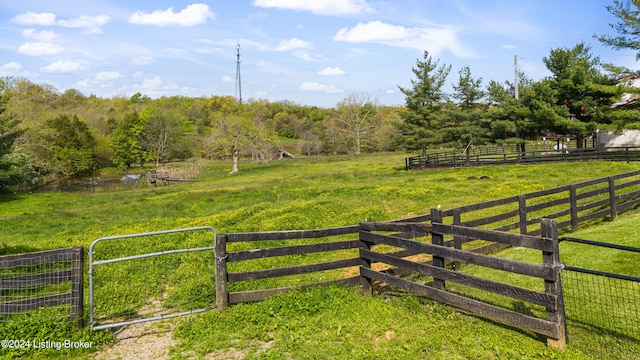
[235,134]
[355,114]
[127,142]
[9,133]
[66,147]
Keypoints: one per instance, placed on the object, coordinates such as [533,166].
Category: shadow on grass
[15,249]
[6,197]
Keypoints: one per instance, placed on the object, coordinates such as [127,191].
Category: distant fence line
[500,156]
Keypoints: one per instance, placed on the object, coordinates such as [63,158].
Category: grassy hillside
[304,193]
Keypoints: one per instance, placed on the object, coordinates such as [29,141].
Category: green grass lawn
[304,193]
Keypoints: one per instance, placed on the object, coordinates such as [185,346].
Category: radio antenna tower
[238,80]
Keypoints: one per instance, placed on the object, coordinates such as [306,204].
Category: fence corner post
[222,290]
[367,283]
[437,239]
[77,286]
[549,231]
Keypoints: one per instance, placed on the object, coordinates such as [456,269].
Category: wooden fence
[553,326]
[223,258]
[442,253]
[495,221]
[570,205]
[461,158]
[33,280]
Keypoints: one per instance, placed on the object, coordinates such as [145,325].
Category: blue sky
[313,52]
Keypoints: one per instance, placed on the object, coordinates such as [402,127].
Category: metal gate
[603,308]
[151,276]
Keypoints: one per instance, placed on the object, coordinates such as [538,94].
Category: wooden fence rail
[32,278]
[460,158]
[570,205]
[553,326]
[223,258]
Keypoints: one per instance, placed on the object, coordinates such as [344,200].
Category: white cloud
[317,87]
[152,83]
[32,18]
[82,84]
[40,35]
[331,71]
[435,40]
[509,47]
[303,55]
[227,79]
[91,24]
[320,7]
[142,60]
[10,68]
[108,75]
[194,14]
[62,66]
[292,44]
[138,74]
[39,49]
[390,91]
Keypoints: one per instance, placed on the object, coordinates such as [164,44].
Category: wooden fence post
[457,240]
[77,285]
[437,239]
[549,230]
[222,290]
[612,199]
[522,211]
[626,150]
[573,203]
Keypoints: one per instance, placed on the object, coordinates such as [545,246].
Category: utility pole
[238,80]
[515,76]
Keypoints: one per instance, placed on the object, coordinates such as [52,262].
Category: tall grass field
[330,322]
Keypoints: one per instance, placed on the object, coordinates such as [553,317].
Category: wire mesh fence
[603,313]
[51,279]
[143,277]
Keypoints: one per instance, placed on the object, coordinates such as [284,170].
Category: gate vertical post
[573,203]
[222,290]
[437,239]
[612,199]
[549,230]
[77,285]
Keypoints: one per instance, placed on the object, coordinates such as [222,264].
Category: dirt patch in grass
[141,341]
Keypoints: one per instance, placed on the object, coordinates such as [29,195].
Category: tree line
[46,134]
